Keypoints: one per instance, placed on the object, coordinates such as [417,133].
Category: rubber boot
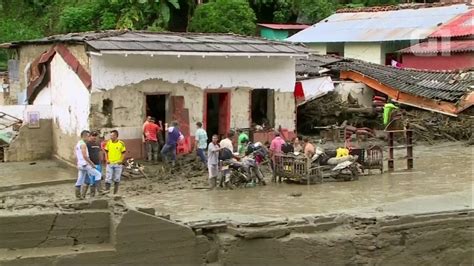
[98,187]
[93,190]
[116,187]
[107,188]
[78,192]
[212,182]
[84,191]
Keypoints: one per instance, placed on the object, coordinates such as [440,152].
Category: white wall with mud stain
[70,104]
[211,72]
[68,97]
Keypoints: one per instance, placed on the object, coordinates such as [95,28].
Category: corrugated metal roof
[284,26]
[442,46]
[446,86]
[405,24]
[171,41]
[462,25]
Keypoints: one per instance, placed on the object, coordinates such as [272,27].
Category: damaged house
[114,79]
[355,84]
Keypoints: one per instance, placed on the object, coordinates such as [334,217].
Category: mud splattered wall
[285,110]
[240,108]
[211,72]
[120,85]
[69,101]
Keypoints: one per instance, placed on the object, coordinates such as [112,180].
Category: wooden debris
[429,126]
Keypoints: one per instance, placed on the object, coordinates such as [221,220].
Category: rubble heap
[331,110]
[430,127]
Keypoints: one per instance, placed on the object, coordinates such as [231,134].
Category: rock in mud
[296,194]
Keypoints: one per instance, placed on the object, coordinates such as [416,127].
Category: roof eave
[203,54]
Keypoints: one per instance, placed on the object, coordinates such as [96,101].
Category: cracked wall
[77,235]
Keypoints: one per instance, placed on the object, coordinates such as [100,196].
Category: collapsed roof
[445,92]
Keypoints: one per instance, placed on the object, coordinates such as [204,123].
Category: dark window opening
[107,110]
[107,107]
[262,108]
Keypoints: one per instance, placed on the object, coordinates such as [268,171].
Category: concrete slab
[19,175]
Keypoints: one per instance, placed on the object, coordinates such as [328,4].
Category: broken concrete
[31,143]
[121,235]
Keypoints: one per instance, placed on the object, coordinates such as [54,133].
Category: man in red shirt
[150,132]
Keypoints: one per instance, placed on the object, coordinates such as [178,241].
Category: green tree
[14,30]
[143,14]
[224,16]
[312,11]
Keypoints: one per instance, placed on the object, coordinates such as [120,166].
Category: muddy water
[442,180]
[18,173]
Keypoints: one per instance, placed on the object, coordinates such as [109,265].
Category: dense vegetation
[26,19]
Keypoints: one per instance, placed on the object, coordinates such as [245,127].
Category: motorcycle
[243,173]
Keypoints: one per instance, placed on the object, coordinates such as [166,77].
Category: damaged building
[114,79]
[355,84]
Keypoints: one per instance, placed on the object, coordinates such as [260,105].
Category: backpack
[225,154]
[287,148]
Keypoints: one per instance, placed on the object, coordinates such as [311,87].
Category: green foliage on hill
[28,19]
[226,16]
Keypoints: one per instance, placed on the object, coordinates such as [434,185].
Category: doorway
[217,110]
[262,107]
[156,107]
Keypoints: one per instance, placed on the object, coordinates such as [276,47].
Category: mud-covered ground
[441,180]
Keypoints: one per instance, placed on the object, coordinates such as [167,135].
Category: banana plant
[137,14]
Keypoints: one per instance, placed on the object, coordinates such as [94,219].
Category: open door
[217,113]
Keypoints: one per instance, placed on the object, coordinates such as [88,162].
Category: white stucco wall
[68,97]
[359,91]
[109,71]
[318,48]
[21,111]
[370,52]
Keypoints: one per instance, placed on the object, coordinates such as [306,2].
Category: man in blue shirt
[201,143]
[169,149]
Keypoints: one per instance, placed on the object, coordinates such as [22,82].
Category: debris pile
[330,110]
[133,170]
[430,127]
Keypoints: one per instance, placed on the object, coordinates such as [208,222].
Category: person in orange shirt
[150,132]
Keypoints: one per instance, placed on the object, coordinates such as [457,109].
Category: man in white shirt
[227,142]
[84,164]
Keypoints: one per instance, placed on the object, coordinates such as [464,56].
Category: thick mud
[442,180]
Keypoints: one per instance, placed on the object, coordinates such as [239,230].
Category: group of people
[154,139]
[91,154]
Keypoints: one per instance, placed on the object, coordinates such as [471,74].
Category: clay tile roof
[435,46]
[445,86]
[284,26]
[389,7]
[312,65]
